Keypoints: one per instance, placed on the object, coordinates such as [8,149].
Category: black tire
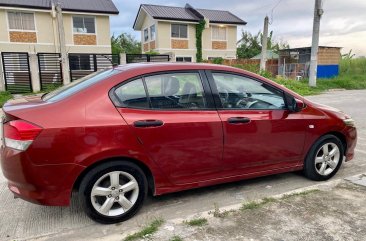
[310,170]
[95,174]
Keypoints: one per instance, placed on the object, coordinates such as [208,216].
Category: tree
[348,55]
[125,43]
[251,45]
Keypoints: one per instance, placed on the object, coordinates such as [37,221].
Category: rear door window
[163,91]
[176,91]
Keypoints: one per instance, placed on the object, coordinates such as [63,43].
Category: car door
[173,116]
[260,134]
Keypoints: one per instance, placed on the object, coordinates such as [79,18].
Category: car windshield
[78,85]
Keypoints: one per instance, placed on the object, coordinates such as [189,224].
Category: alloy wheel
[327,159]
[114,193]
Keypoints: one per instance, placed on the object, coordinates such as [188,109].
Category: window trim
[84,16]
[179,38]
[217,100]
[206,91]
[147,34]
[150,32]
[21,30]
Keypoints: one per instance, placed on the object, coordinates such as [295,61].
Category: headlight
[349,122]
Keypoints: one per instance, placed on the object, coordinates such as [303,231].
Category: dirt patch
[335,214]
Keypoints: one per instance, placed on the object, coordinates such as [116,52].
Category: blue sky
[343,23]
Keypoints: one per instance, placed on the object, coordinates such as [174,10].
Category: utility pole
[264,45]
[318,12]
[62,42]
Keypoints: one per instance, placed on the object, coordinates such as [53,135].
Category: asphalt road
[22,220]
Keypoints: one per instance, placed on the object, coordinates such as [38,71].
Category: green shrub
[249,67]
[352,66]
[218,60]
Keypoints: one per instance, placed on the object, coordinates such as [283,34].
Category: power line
[262,7]
[272,10]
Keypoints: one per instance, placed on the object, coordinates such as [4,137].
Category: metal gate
[84,64]
[16,72]
[50,70]
[141,58]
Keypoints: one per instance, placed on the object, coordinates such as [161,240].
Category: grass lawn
[348,82]
[4,97]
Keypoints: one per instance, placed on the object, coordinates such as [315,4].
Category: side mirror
[295,105]
[300,105]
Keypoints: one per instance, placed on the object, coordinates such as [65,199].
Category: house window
[146,34]
[179,31]
[21,21]
[152,32]
[183,59]
[83,24]
[218,33]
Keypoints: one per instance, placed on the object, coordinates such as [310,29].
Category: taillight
[19,134]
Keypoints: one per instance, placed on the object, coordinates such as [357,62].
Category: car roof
[167,66]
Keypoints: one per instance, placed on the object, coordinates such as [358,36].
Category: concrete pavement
[22,220]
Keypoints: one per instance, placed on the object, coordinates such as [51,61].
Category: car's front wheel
[113,192]
[324,158]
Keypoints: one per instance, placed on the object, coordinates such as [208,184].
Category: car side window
[239,92]
[132,94]
[176,91]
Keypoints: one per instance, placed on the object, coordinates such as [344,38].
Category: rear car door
[173,117]
[260,134]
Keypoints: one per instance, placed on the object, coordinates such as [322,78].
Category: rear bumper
[351,138]
[45,185]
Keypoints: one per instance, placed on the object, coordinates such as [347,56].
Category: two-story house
[38,38]
[30,25]
[166,29]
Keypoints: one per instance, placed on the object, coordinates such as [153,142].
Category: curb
[321,186]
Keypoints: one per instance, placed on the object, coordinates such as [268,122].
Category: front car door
[260,134]
[173,116]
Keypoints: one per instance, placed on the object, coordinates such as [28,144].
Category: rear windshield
[78,85]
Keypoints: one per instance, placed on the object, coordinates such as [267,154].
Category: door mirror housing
[294,105]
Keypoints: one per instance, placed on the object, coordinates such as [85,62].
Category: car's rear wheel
[324,158]
[113,192]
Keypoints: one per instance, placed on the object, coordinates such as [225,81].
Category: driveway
[22,220]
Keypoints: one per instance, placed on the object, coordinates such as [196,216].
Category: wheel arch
[148,174]
[341,137]
[337,134]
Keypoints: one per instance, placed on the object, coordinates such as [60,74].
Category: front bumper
[351,138]
[41,184]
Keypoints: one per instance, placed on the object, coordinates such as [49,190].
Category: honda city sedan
[123,133]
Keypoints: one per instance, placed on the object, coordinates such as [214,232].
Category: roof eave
[177,19]
[23,6]
[229,22]
[137,16]
[63,9]
[89,11]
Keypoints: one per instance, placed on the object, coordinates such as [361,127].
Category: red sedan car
[118,134]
